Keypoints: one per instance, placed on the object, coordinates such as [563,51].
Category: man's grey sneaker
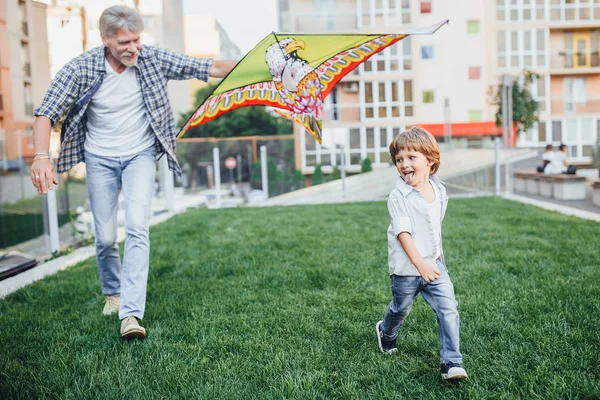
[385,345]
[131,328]
[452,371]
[111,305]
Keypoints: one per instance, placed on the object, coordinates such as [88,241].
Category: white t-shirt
[116,116]
[548,156]
[557,164]
[435,213]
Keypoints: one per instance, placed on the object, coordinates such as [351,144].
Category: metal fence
[197,160]
[492,179]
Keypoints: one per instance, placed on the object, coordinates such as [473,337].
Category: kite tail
[312,125]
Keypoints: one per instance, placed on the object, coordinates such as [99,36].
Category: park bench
[596,192]
[559,186]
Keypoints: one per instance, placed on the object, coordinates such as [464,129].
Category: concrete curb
[575,212]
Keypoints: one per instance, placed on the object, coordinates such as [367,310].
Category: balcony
[25,28]
[1,103]
[576,62]
[339,22]
[29,109]
[27,70]
[559,105]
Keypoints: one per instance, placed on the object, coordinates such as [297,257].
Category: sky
[246,22]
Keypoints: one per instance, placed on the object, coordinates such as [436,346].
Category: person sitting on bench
[559,164]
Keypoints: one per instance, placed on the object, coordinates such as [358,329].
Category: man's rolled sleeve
[61,95]
[399,217]
[178,66]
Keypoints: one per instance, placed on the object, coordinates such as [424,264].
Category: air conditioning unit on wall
[350,87]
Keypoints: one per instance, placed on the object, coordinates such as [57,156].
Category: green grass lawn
[282,303]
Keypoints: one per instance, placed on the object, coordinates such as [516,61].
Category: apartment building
[443,80]
[24,76]
[205,37]
[559,40]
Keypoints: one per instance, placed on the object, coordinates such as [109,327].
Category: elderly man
[119,120]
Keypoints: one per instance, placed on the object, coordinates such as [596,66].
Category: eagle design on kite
[294,75]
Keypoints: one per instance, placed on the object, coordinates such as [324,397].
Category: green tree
[525,107]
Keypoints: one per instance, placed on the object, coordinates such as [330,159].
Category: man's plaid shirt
[79,79]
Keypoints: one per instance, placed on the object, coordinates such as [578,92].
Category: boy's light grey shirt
[408,213]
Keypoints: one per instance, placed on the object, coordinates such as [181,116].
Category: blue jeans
[106,176]
[439,294]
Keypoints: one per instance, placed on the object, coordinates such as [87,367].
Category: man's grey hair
[116,18]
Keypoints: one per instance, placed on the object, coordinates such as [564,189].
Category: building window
[426,7]
[28,93]
[387,99]
[538,91]
[332,106]
[522,49]
[473,27]
[474,73]
[427,52]
[428,96]
[395,58]
[475,115]
[575,92]
[541,132]
[384,13]
[556,131]
[527,10]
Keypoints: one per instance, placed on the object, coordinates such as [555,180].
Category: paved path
[376,185]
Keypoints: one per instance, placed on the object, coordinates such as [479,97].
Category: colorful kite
[293,73]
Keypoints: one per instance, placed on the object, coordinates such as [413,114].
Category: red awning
[466,129]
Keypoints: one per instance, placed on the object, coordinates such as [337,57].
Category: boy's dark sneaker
[385,345]
[451,371]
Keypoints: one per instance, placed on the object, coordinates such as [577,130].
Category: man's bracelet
[44,153]
[41,157]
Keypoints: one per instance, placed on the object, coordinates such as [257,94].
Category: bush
[365,165]
[317,177]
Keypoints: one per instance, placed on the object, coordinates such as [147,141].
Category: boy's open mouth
[409,177]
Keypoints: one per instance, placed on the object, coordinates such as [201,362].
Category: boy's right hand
[428,272]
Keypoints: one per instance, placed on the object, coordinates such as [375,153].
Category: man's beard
[129,62]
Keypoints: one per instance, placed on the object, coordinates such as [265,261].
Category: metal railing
[1,102]
[575,60]
[25,28]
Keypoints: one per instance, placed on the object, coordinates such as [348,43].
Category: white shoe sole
[379,340]
[460,373]
[134,333]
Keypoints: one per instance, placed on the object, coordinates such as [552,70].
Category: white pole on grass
[497,169]
[343,170]
[217,172]
[51,220]
[264,171]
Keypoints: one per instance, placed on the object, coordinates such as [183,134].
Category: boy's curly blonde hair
[419,140]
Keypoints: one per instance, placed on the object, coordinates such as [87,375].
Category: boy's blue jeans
[439,294]
[106,176]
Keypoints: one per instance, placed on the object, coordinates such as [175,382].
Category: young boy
[417,205]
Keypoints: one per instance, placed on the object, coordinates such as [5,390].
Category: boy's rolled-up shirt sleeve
[399,217]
